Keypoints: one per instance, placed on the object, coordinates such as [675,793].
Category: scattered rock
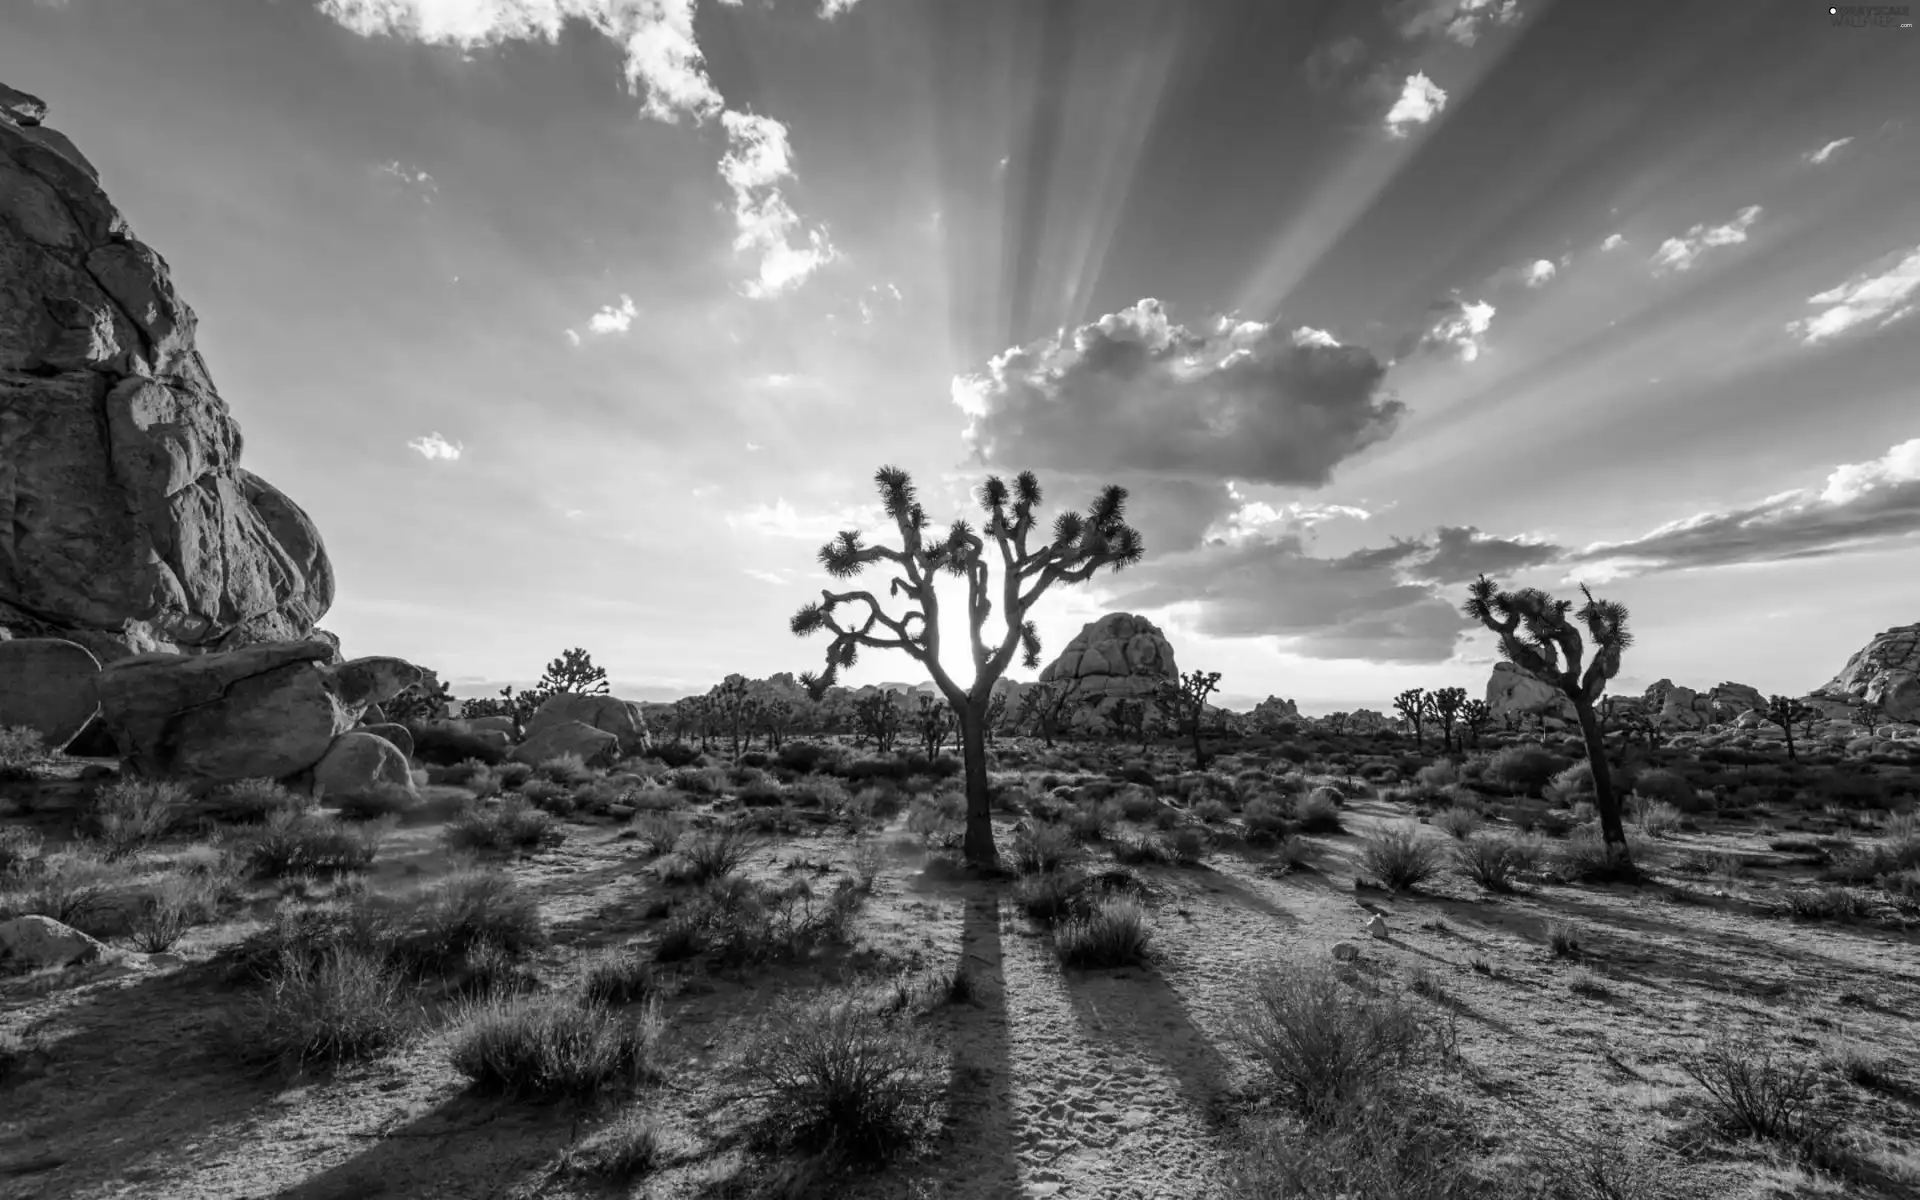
[621,718]
[1346,951]
[30,943]
[1377,927]
[357,764]
[49,684]
[596,747]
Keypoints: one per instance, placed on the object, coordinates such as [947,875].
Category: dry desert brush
[1079,546]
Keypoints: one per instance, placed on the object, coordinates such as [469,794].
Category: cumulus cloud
[1134,392]
[614,318]
[1881,294]
[1612,242]
[1539,273]
[758,158]
[1863,505]
[662,59]
[1680,253]
[1459,327]
[1420,102]
[1462,21]
[829,9]
[1816,157]
[433,446]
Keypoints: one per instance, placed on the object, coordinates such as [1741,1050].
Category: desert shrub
[1320,1043]
[1136,803]
[1388,1142]
[251,801]
[714,853]
[738,921]
[699,781]
[1563,939]
[1524,769]
[74,888]
[1189,843]
[1400,858]
[1656,818]
[296,843]
[512,824]
[1049,897]
[379,800]
[1039,848]
[1093,822]
[1266,820]
[1586,858]
[443,746]
[802,756]
[22,749]
[619,977]
[462,773]
[1318,814]
[1143,849]
[1460,821]
[676,754]
[1435,776]
[347,1004]
[1490,862]
[938,820]
[1760,1093]
[1660,783]
[1571,784]
[762,793]
[1830,902]
[176,904]
[549,1046]
[464,912]
[834,1074]
[308,933]
[1211,811]
[1114,934]
[131,814]
[624,1149]
[548,796]
[862,769]
[658,832]
[20,848]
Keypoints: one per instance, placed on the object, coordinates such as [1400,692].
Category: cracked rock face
[126,522]
[1885,672]
[1119,656]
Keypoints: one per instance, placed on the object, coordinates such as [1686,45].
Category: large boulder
[596,747]
[621,718]
[1511,690]
[48,684]
[359,763]
[30,943]
[1117,657]
[399,735]
[1883,673]
[126,521]
[265,710]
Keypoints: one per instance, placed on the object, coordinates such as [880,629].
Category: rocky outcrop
[621,718]
[1272,711]
[358,764]
[267,710]
[1118,657]
[127,524]
[595,747]
[1512,691]
[1884,673]
[49,685]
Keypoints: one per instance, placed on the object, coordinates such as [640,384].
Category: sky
[586,322]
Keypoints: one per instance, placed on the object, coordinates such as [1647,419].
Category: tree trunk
[1199,751]
[1788,730]
[1611,829]
[978,846]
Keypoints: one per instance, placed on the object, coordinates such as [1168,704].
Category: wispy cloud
[433,446]
[1882,294]
[773,577]
[614,318]
[1816,157]
[410,179]
[1680,253]
[1420,102]
[781,519]
[758,158]
[1462,21]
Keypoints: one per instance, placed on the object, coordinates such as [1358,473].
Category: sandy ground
[1069,1084]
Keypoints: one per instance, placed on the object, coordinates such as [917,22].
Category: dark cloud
[1862,505]
[1134,392]
[1461,554]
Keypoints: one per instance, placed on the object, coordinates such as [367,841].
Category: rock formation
[1272,711]
[1884,673]
[621,718]
[49,685]
[1118,657]
[128,523]
[1511,690]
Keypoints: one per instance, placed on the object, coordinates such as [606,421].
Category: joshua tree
[1129,719]
[1536,636]
[736,709]
[574,673]
[996,714]
[879,718]
[935,721]
[1786,712]
[776,717]
[1080,545]
[1337,722]
[1412,705]
[1053,704]
[1477,718]
[1444,705]
[1185,705]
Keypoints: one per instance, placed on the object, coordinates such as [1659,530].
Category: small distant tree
[1445,705]
[1336,722]
[1787,712]
[776,718]
[1536,636]
[1412,706]
[573,673]
[736,710]
[1080,546]
[878,717]
[1184,705]
[1476,717]
[935,722]
[1637,723]
[1129,720]
[996,714]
